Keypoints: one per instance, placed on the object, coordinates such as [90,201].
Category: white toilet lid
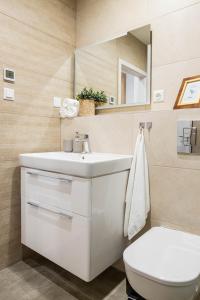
[168,256]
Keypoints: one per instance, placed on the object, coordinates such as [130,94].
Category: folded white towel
[69,109]
[137,196]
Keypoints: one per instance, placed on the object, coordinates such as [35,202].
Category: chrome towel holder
[148,125]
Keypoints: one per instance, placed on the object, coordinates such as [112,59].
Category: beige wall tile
[12,152]
[70,3]
[10,217]
[112,132]
[10,233]
[106,18]
[192,229]
[9,185]
[34,94]
[174,178]
[162,139]
[81,4]
[176,42]
[108,133]
[52,17]
[21,133]
[132,14]
[10,240]
[37,41]
[161,7]
[10,253]
[169,78]
[175,197]
[34,50]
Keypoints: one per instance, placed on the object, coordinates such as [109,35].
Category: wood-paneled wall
[37,40]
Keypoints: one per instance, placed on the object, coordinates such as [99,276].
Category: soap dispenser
[77,143]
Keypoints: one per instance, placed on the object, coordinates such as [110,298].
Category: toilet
[164,264]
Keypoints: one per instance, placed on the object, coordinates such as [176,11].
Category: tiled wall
[174,179]
[176,47]
[37,40]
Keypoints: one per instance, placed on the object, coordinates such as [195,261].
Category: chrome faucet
[84,139]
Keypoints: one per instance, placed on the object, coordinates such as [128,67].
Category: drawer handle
[58,212]
[58,178]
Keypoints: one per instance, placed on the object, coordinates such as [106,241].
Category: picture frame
[189,93]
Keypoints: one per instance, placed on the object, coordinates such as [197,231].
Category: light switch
[158,96]
[57,102]
[8,94]
[9,75]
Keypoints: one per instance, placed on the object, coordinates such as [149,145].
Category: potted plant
[88,99]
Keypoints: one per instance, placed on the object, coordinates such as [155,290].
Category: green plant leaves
[90,94]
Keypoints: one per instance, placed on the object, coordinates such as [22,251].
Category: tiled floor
[31,280]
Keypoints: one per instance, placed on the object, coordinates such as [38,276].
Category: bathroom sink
[76,164]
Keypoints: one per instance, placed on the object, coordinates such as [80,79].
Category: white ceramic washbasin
[76,164]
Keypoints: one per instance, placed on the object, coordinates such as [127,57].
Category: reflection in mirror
[120,67]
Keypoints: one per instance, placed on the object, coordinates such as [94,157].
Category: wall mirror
[120,67]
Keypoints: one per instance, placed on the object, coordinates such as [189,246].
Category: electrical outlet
[158,96]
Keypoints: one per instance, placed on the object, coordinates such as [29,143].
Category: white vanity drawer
[57,192]
[55,217]
[58,238]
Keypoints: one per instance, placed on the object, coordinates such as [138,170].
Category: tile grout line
[176,62]
[174,167]
[40,73]
[73,44]
[28,115]
[197,2]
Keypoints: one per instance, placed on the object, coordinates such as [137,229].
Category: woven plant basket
[87,108]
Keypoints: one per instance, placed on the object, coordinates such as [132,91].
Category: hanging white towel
[137,196]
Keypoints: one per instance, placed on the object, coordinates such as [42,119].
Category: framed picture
[189,93]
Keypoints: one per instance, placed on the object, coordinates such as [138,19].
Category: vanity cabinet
[75,222]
